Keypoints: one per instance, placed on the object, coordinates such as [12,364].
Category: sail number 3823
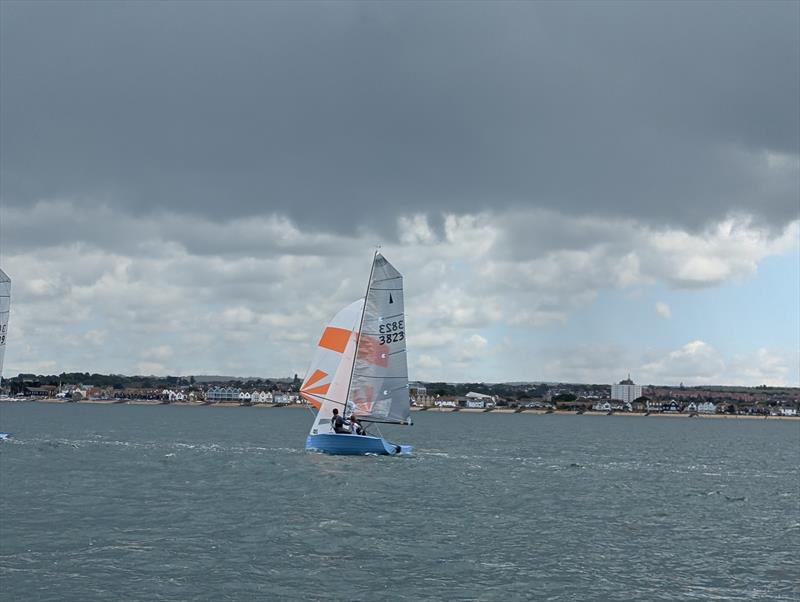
[391,332]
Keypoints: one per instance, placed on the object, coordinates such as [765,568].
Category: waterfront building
[671,406]
[417,390]
[43,391]
[223,394]
[169,395]
[626,390]
[419,395]
[261,397]
[707,407]
[654,406]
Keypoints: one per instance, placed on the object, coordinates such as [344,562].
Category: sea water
[126,502]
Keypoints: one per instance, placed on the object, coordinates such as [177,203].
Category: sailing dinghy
[360,368]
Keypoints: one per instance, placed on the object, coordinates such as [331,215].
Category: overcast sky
[573,191]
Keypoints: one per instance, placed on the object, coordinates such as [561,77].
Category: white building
[626,390]
[261,397]
[654,406]
[169,395]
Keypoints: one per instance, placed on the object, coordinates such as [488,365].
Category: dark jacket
[338,424]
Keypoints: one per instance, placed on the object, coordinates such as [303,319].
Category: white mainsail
[360,364]
[379,386]
[5,305]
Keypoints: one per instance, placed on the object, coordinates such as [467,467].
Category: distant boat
[5,305]
[360,368]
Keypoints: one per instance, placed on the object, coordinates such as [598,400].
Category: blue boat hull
[354,445]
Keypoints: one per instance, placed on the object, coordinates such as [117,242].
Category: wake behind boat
[360,370]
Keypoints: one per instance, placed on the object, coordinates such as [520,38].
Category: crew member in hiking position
[337,422]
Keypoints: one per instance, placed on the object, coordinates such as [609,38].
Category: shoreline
[537,412]
[154,402]
[593,413]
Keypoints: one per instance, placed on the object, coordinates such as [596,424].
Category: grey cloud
[67,223]
[343,114]
[264,308]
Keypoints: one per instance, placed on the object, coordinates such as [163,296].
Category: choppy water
[178,503]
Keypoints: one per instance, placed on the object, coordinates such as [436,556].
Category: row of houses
[671,406]
[217,394]
[212,394]
[470,400]
[640,404]
[751,396]
[703,407]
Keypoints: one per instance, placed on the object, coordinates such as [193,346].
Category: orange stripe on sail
[314,402]
[318,375]
[335,339]
[320,390]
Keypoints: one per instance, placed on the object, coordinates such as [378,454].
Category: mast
[360,326]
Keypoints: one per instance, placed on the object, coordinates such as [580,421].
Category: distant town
[622,397]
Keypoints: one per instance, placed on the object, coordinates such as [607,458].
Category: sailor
[337,422]
[355,426]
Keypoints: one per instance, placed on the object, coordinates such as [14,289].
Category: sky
[572,191]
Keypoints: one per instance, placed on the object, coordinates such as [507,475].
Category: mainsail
[5,304]
[360,364]
[379,385]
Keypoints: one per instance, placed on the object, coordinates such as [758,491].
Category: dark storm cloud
[337,114]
